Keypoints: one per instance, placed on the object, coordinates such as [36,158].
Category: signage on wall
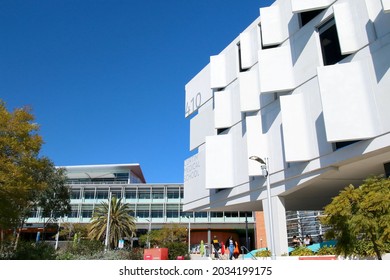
[191,168]
[193,104]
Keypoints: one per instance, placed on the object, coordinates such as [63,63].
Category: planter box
[156,254]
[318,258]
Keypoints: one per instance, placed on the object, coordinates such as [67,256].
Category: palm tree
[121,223]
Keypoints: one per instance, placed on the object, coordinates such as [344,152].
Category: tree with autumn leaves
[359,218]
[27,180]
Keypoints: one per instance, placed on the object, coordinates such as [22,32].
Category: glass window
[231,214]
[144,194]
[142,213]
[117,193]
[186,214]
[158,193]
[330,45]
[172,213]
[131,194]
[86,213]
[89,194]
[102,194]
[201,214]
[75,194]
[306,17]
[248,214]
[157,213]
[216,214]
[73,213]
[173,193]
[33,213]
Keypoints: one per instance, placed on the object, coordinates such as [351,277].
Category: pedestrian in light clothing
[201,249]
[231,247]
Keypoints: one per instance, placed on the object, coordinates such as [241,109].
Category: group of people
[307,241]
[230,245]
[220,248]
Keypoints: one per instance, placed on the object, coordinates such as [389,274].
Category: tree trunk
[18,233]
[377,252]
[376,249]
[2,239]
[16,240]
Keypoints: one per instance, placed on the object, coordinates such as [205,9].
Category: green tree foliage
[68,230]
[19,148]
[172,236]
[54,201]
[121,223]
[170,233]
[27,181]
[360,218]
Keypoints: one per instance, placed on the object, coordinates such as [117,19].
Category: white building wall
[286,104]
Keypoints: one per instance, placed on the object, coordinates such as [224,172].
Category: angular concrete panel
[202,125]
[250,90]
[354,28]
[219,162]
[297,135]
[299,6]
[198,91]
[348,102]
[249,44]
[273,64]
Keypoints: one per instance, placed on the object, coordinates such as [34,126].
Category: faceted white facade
[306,85]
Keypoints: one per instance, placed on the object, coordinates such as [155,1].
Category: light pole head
[256,158]
[264,167]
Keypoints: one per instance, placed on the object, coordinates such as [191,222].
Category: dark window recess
[387,169]
[239,58]
[269,47]
[221,130]
[305,17]
[340,145]
[330,45]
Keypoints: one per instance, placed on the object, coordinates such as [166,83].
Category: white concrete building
[306,85]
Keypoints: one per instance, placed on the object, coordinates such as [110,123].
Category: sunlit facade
[305,86]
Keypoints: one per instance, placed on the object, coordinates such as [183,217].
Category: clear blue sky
[105,78]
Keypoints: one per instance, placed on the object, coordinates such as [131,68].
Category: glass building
[153,205]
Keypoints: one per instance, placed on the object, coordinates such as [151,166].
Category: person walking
[216,246]
[201,249]
[223,247]
[231,247]
[236,251]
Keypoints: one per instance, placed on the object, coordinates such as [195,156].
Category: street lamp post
[265,167]
[246,232]
[150,228]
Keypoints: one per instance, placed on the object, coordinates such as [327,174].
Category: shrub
[7,251]
[81,250]
[34,251]
[331,250]
[302,251]
[263,254]
[176,249]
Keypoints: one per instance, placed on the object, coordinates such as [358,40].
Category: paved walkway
[204,258]
[199,258]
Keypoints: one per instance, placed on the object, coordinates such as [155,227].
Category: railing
[243,248]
